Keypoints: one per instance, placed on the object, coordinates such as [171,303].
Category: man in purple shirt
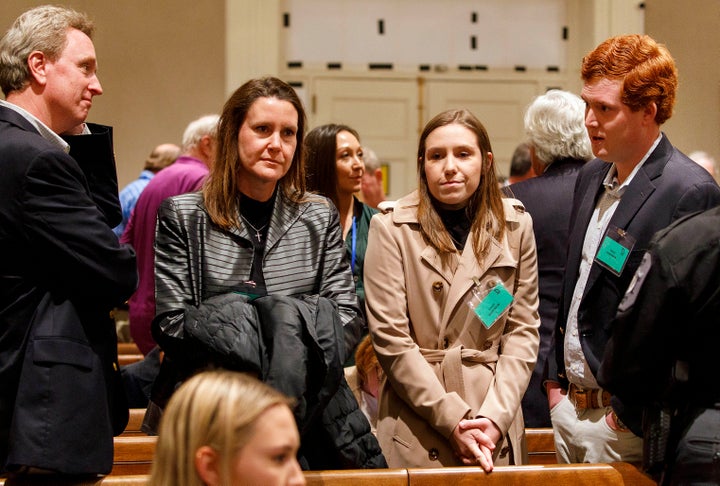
[185,175]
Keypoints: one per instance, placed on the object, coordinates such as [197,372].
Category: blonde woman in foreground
[227,428]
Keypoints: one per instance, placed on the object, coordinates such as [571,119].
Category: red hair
[365,360]
[646,68]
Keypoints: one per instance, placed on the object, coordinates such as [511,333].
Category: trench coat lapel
[468,267]
[405,212]
[458,270]
[433,259]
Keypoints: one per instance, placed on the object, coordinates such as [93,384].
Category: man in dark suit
[559,146]
[521,166]
[62,269]
[667,325]
[638,184]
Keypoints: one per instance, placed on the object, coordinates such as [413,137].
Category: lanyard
[354,242]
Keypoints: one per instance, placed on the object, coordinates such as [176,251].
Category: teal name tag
[495,303]
[613,255]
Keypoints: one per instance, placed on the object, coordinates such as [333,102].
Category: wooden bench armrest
[133,454]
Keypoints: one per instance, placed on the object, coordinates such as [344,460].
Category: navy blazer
[61,273]
[668,186]
[548,198]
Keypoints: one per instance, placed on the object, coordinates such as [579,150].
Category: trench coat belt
[451,362]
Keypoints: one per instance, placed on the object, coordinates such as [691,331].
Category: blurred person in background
[161,156]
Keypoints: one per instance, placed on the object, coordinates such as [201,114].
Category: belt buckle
[582,399]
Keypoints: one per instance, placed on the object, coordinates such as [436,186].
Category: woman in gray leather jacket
[252,232]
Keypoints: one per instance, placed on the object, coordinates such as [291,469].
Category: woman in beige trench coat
[455,374]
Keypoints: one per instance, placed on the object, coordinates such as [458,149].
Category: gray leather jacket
[195,260]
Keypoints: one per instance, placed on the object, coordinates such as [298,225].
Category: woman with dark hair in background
[334,162]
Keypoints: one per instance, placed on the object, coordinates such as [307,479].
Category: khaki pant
[585,436]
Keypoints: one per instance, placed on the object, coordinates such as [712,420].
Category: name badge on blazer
[489,301]
[614,250]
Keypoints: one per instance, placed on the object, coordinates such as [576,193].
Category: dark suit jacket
[670,313]
[61,273]
[667,187]
[548,198]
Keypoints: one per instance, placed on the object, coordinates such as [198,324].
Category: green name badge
[495,303]
[612,255]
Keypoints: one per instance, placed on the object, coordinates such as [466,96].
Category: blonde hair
[214,408]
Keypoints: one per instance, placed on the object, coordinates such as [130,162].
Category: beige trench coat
[442,363]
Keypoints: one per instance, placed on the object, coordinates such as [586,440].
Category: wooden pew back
[128,353]
[358,477]
[541,446]
[133,454]
[134,423]
[554,475]
[616,474]
[128,348]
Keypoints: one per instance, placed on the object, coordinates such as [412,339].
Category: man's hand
[612,420]
[555,393]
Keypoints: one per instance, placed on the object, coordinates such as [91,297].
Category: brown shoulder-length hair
[646,68]
[320,157]
[221,192]
[485,206]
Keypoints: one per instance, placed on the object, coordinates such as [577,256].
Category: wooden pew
[135,457]
[126,359]
[112,480]
[134,423]
[120,480]
[632,475]
[541,446]
[615,474]
[128,353]
[555,475]
[128,348]
[138,480]
[358,477]
[133,454]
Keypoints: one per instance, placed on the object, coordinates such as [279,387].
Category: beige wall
[691,30]
[164,63]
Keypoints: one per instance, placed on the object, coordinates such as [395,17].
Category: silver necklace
[258,231]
